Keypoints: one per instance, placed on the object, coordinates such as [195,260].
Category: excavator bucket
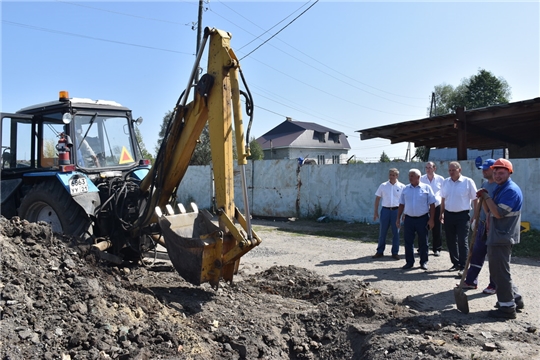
[194,244]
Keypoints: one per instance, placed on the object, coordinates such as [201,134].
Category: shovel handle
[471,246]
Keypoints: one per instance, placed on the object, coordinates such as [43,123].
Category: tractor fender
[83,191]
[9,189]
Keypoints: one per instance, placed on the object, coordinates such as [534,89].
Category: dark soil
[59,302]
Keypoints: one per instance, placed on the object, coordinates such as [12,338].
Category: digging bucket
[194,244]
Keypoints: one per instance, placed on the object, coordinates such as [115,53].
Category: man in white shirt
[389,192]
[435,181]
[457,194]
[417,203]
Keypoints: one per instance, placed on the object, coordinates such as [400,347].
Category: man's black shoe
[436,253]
[377,255]
[423,266]
[407,266]
[454,268]
[503,312]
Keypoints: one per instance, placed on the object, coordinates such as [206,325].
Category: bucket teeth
[181,208]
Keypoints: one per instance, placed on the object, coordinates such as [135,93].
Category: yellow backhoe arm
[201,251]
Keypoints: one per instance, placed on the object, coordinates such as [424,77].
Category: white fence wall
[279,188]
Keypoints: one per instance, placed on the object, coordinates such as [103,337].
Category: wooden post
[461,123]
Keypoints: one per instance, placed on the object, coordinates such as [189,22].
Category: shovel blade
[461,300]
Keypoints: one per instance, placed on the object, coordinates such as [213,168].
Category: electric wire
[121,13]
[90,37]
[247,19]
[280,30]
[310,57]
[167,50]
[258,37]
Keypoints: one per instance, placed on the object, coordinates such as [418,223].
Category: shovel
[459,295]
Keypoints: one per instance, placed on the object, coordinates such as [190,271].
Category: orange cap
[503,163]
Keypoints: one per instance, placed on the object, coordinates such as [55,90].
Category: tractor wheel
[50,202]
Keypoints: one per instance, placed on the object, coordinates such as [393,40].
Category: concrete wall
[280,188]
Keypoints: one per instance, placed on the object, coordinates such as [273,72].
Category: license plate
[78,185]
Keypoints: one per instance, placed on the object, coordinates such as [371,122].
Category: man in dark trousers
[503,224]
[480,247]
[435,181]
[457,193]
[417,202]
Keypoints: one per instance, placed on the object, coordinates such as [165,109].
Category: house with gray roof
[306,140]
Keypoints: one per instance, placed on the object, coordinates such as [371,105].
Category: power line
[247,19]
[310,57]
[90,37]
[330,94]
[283,28]
[122,13]
[155,48]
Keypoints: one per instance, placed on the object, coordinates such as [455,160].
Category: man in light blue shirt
[417,203]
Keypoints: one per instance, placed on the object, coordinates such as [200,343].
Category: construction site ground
[296,296]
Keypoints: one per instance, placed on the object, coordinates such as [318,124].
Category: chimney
[289,118]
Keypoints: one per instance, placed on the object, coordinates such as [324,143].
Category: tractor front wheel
[50,202]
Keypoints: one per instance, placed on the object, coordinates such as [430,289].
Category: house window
[335,159]
[320,159]
[319,136]
[334,137]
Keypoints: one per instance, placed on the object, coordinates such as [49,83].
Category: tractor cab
[98,135]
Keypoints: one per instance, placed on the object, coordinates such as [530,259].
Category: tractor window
[16,143]
[6,143]
[103,141]
[49,155]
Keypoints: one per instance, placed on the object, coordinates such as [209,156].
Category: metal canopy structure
[512,125]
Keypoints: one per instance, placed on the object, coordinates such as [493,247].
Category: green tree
[202,154]
[384,158]
[255,150]
[421,153]
[444,99]
[484,89]
[480,90]
[145,153]
[163,129]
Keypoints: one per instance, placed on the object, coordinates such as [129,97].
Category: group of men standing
[431,200]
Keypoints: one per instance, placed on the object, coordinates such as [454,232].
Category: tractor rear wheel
[50,202]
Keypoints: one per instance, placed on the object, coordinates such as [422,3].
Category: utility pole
[408,153]
[433,107]
[199,35]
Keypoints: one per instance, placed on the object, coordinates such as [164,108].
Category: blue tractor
[75,164]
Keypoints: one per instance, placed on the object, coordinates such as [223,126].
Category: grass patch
[332,229]
[529,245]
[358,231]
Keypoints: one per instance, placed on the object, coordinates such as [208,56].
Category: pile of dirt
[59,302]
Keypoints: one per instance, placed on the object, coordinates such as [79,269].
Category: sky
[344,65]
